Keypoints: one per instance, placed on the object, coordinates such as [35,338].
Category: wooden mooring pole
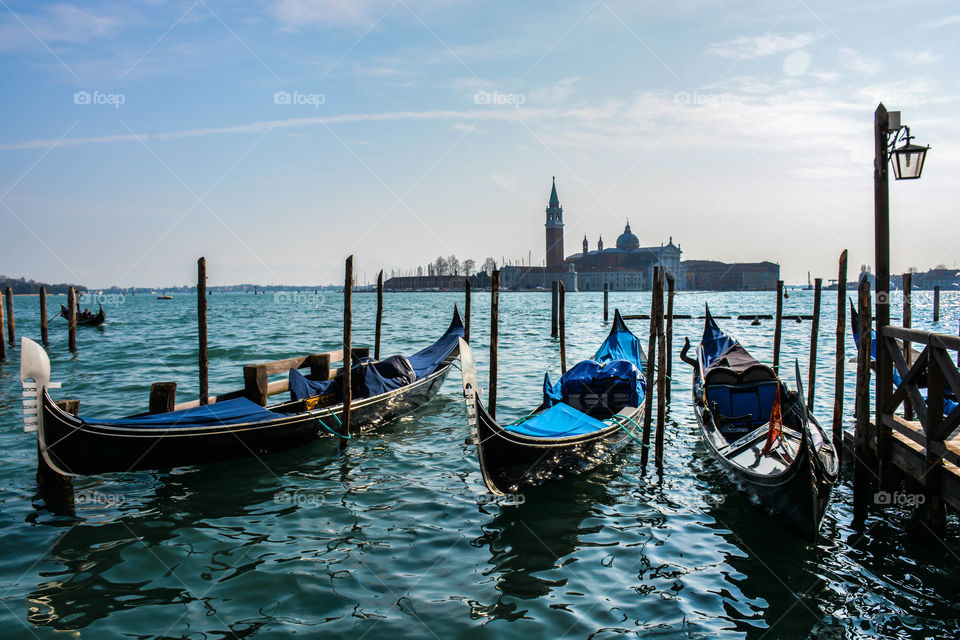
[814,334]
[3,345]
[936,307]
[651,358]
[203,361]
[466,310]
[862,453]
[838,381]
[347,348]
[163,397]
[777,327]
[43,314]
[563,329]
[494,337]
[670,294]
[907,322]
[72,318]
[11,331]
[661,373]
[554,302]
[376,337]
[606,301]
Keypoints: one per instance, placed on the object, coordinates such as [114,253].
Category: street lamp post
[907,165]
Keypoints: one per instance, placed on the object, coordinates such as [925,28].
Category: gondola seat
[741,408]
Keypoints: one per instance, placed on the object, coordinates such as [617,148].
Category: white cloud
[920,58]
[62,23]
[555,93]
[945,21]
[504,181]
[768,44]
[859,64]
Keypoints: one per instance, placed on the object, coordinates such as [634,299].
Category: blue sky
[275,138]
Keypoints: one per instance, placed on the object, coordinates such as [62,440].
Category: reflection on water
[394,536]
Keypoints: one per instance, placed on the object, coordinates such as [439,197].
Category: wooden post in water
[494,337]
[43,314]
[862,454]
[814,334]
[932,509]
[3,345]
[72,318]
[563,329]
[838,382]
[203,360]
[670,294]
[606,301]
[466,310]
[651,357]
[554,302]
[11,332]
[376,338]
[163,397]
[347,349]
[936,307]
[661,373]
[907,322]
[881,222]
[777,327]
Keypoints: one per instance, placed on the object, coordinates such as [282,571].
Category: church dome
[627,240]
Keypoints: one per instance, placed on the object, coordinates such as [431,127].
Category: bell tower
[554,228]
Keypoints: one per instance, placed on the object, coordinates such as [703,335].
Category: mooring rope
[336,433]
[617,422]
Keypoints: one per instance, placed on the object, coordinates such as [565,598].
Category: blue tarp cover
[423,362]
[368,379]
[616,366]
[228,412]
[558,421]
[714,342]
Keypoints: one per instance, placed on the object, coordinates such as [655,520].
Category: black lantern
[908,160]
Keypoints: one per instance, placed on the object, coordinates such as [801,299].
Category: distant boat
[85,318]
[164,297]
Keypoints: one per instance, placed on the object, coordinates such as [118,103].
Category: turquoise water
[395,536]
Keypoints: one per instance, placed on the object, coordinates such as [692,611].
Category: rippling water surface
[395,537]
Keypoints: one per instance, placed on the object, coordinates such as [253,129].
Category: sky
[275,137]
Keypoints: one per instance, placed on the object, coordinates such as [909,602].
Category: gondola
[589,414]
[789,471]
[228,429]
[86,319]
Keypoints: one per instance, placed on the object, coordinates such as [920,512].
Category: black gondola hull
[797,498]
[75,447]
[511,462]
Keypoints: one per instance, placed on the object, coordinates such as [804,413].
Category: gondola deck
[793,480]
[238,428]
[516,456]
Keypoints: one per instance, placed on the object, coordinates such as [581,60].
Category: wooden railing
[256,379]
[934,364]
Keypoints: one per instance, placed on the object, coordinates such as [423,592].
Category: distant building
[624,267]
[943,278]
[434,283]
[710,275]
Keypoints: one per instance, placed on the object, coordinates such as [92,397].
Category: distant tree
[419,271]
[469,265]
[454,266]
[489,266]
